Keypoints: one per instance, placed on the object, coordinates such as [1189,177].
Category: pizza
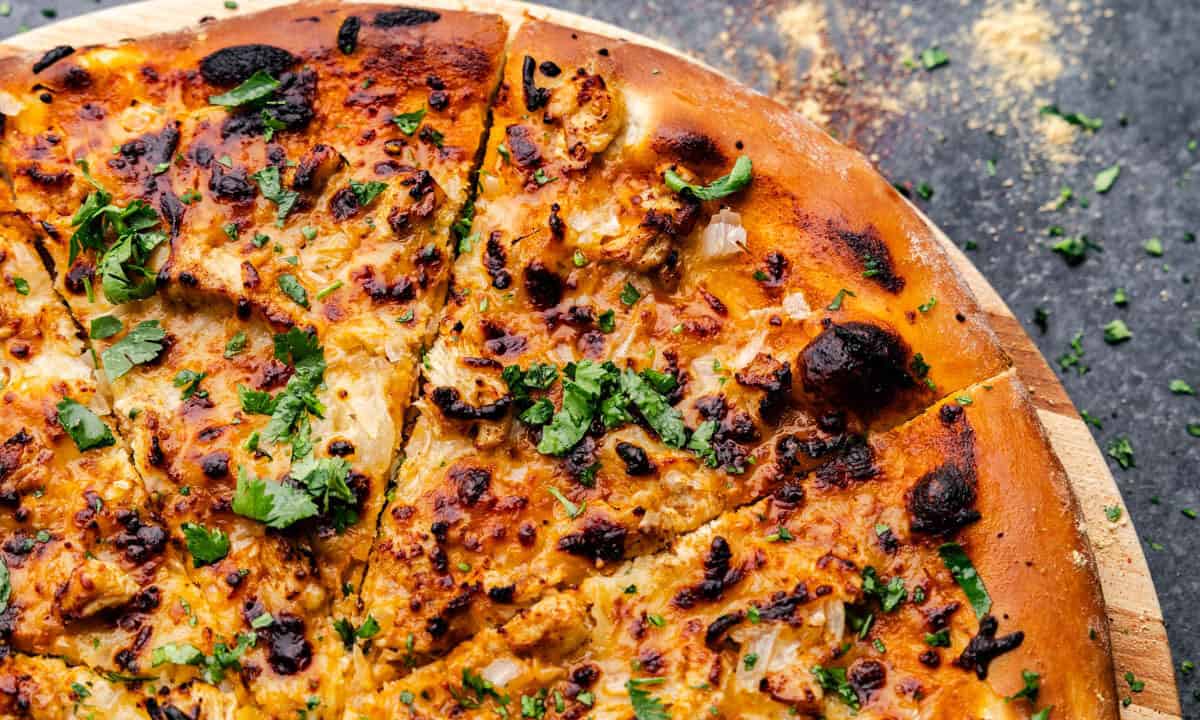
[380,361]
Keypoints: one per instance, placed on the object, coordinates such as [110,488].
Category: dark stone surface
[1136,62]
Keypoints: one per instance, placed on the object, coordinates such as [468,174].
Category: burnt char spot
[230,185]
[234,65]
[494,258]
[315,167]
[471,483]
[581,460]
[172,210]
[866,676]
[943,501]
[503,594]
[717,629]
[855,461]
[38,176]
[10,453]
[687,146]
[347,36]
[874,257]
[404,17]
[535,97]
[544,286]
[288,649]
[140,541]
[677,223]
[499,341]
[600,539]
[344,204]
[782,606]
[986,647]
[76,276]
[340,448]
[636,461]
[215,464]
[771,376]
[856,364]
[776,270]
[380,291]
[450,402]
[521,147]
[718,576]
[52,56]
[939,617]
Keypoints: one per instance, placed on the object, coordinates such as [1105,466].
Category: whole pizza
[365,361]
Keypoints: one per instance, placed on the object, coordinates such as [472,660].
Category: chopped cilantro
[1087,123]
[1153,247]
[189,381]
[105,327]
[960,566]
[573,510]
[409,122]
[1121,450]
[270,184]
[366,192]
[1116,332]
[1181,387]
[293,289]
[1032,685]
[645,705]
[934,58]
[834,680]
[236,344]
[206,546]
[737,179]
[87,430]
[1113,513]
[842,294]
[1106,178]
[275,504]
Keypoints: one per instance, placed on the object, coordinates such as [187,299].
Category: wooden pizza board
[1139,639]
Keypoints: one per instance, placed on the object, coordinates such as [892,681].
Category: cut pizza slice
[660,306]
[91,571]
[913,588]
[45,688]
[303,166]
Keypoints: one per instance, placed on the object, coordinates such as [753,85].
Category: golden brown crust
[810,317]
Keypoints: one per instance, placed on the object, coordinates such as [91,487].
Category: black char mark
[544,286]
[471,483]
[718,576]
[771,376]
[855,461]
[535,97]
[450,402]
[52,56]
[234,65]
[856,364]
[637,463]
[494,259]
[717,629]
[289,651]
[600,539]
[986,647]
[347,37]
[404,17]
[874,256]
[943,500]
[521,146]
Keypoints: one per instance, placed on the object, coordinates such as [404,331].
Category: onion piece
[724,235]
[501,671]
[796,307]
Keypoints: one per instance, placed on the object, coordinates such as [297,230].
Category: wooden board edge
[1135,618]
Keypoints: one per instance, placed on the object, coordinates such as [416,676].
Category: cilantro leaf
[737,179]
[645,705]
[275,504]
[366,192]
[934,58]
[538,413]
[87,430]
[189,381]
[968,579]
[1033,684]
[890,595]
[409,122]
[834,680]
[256,88]
[294,290]
[206,546]
[1121,450]
[5,584]
[141,345]
[255,402]
[1083,121]
[701,442]
[1117,332]
[105,327]
[271,186]
[176,654]
[236,344]
[1106,178]
[662,418]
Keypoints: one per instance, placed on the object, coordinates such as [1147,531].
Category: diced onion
[796,306]
[724,235]
[501,671]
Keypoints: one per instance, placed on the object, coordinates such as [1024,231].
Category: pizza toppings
[52,56]
[404,17]
[347,36]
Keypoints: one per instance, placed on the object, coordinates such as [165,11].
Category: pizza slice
[90,570]
[915,588]
[261,212]
[659,302]
[46,688]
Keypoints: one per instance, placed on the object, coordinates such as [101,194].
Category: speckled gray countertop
[970,131]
